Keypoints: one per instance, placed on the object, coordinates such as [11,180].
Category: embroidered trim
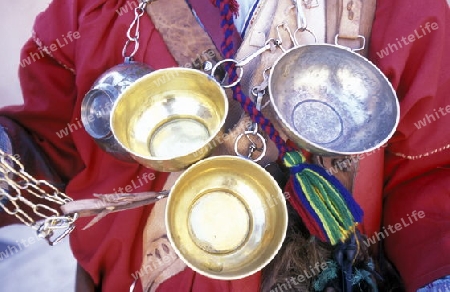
[414,157]
[43,48]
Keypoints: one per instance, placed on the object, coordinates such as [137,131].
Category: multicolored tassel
[328,209]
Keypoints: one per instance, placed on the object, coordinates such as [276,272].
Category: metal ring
[286,28]
[264,146]
[240,73]
[303,30]
[136,47]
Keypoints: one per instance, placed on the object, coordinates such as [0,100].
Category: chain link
[134,29]
[16,183]
[21,183]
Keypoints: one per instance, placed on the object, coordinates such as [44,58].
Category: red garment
[420,73]
[111,250]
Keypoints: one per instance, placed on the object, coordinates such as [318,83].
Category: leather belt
[188,43]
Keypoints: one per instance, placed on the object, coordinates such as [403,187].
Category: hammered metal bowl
[99,100]
[169,119]
[226,217]
[332,101]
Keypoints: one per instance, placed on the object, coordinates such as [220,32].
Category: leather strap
[350,18]
[334,15]
[184,37]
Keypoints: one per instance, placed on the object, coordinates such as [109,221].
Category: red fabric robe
[420,73]
[53,88]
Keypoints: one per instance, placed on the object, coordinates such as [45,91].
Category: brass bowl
[170,118]
[226,217]
[332,101]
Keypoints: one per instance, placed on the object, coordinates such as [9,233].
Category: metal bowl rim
[345,50]
[86,102]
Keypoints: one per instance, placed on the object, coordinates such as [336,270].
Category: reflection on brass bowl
[332,101]
[169,119]
[226,217]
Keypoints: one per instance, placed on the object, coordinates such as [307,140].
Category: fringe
[233,4]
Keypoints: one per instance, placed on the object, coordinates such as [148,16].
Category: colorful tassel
[330,208]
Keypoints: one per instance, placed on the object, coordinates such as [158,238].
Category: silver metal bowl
[98,102]
[332,101]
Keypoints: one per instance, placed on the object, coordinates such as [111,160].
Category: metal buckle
[253,147]
[361,38]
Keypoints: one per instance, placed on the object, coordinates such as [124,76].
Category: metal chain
[22,184]
[134,29]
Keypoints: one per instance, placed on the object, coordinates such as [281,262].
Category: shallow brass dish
[226,217]
[169,119]
[332,101]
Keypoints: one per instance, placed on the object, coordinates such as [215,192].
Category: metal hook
[253,147]
[260,90]
[286,28]
[267,46]
[301,23]
[303,30]
[239,64]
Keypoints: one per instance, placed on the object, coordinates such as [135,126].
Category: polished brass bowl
[170,118]
[332,101]
[226,217]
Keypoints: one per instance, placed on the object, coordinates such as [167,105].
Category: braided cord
[228,51]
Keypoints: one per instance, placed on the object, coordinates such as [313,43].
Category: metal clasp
[138,13]
[46,229]
[253,146]
[269,45]
[361,38]
[259,91]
